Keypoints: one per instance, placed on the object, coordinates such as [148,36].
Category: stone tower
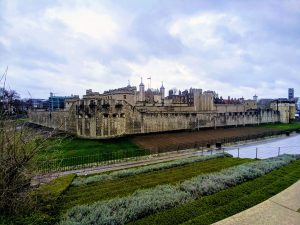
[255,97]
[142,91]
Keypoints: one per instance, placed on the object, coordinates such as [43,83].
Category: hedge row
[49,193]
[88,194]
[146,202]
[145,169]
[213,208]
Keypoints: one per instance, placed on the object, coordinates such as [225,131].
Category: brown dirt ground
[187,139]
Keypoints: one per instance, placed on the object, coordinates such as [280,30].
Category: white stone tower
[255,97]
[142,91]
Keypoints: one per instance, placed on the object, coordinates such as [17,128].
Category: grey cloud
[269,48]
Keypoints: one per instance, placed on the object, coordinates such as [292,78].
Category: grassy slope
[282,126]
[124,186]
[74,147]
[223,204]
[42,209]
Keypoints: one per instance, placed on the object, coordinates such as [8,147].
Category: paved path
[151,159]
[281,209]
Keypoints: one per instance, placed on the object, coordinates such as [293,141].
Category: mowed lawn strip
[282,126]
[213,208]
[125,186]
[73,147]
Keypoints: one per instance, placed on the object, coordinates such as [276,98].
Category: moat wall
[115,122]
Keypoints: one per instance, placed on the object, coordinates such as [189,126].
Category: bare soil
[188,139]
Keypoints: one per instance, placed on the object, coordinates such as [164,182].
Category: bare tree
[19,147]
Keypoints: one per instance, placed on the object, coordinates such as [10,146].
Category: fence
[253,152]
[81,162]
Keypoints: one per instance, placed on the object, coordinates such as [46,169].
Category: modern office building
[291,93]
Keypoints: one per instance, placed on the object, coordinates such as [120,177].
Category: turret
[255,97]
[142,91]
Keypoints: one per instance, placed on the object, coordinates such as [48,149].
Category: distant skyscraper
[291,93]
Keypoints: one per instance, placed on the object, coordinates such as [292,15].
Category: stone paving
[281,209]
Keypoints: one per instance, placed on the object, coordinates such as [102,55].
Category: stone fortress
[127,111]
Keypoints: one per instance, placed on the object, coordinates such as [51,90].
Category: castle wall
[61,120]
[113,118]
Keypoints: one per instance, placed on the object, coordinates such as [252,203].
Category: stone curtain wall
[130,120]
[61,120]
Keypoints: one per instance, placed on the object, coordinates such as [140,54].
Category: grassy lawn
[213,208]
[76,151]
[73,147]
[282,126]
[125,186]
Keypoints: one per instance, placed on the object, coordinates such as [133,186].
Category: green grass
[74,147]
[210,209]
[282,126]
[43,206]
[125,186]
[75,151]
[52,191]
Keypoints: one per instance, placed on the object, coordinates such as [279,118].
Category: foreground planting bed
[78,195]
[146,202]
[223,204]
[79,181]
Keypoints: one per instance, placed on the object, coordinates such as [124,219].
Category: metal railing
[87,161]
[253,152]
[107,158]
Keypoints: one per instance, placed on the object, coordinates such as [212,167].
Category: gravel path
[153,159]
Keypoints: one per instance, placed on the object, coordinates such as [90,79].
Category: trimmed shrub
[212,208]
[145,169]
[126,209]
[47,194]
[211,183]
[146,202]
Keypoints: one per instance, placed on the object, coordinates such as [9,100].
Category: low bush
[145,202]
[212,208]
[145,169]
[46,195]
[123,210]
[87,194]
[211,183]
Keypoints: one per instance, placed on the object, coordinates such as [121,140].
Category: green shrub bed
[210,209]
[145,202]
[78,195]
[145,169]
[49,193]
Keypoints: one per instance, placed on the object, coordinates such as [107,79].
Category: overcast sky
[237,48]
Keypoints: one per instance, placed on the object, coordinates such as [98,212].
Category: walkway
[281,209]
[151,159]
